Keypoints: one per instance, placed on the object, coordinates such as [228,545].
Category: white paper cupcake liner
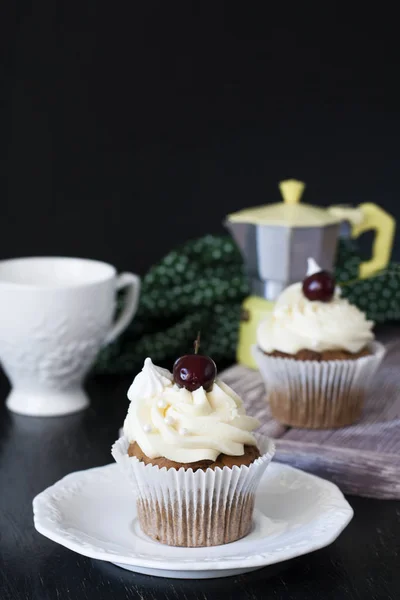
[192,509]
[317,395]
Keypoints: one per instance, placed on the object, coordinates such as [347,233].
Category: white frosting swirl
[150,381]
[171,422]
[297,323]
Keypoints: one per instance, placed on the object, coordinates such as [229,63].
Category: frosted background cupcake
[317,354]
[189,450]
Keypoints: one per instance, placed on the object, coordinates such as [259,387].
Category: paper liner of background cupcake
[201,479]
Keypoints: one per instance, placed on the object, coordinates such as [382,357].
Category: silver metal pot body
[276,256]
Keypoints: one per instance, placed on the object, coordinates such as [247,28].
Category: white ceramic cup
[55,315]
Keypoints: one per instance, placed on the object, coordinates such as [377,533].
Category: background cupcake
[189,450]
[317,354]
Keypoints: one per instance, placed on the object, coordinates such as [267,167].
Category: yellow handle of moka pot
[375,218]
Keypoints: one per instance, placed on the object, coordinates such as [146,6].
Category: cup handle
[132,282]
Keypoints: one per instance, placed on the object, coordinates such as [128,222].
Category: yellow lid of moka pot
[289,213]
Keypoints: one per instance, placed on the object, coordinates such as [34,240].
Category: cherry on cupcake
[193,371]
[319,286]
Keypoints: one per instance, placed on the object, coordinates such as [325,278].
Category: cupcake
[189,450]
[316,353]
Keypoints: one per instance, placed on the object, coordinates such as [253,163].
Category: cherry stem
[197,343]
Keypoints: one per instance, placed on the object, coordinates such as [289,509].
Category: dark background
[128,128]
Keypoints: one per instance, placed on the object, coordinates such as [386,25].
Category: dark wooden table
[363,564]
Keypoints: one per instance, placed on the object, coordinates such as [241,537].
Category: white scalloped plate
[93,513]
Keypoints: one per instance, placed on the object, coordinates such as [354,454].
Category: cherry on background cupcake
[319,285]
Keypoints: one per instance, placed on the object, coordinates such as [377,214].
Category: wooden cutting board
[363,459]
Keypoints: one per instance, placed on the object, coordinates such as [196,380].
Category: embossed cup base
[47,403]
